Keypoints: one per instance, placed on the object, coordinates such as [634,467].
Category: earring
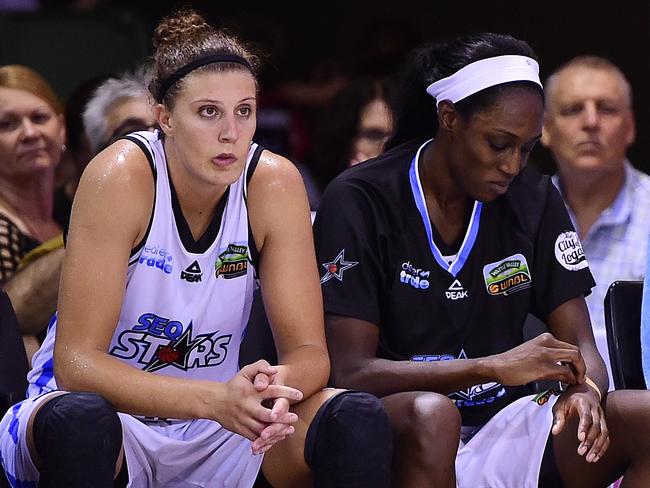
[63,147]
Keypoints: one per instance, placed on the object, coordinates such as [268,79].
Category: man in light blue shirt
[588,127]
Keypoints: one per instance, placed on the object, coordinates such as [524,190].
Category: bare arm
[353,345]
[570,323]
[281,225]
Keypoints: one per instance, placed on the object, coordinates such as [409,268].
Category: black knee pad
[78,437]
[349,442]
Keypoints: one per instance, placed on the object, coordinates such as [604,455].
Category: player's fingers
[251,370]
[280,408]
[592,435]
[561,372]
[261,381]
[263,414]
[585,424]
[281,391]
[600,444]
[559,419]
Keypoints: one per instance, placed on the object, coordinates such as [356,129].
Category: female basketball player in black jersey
[433,254]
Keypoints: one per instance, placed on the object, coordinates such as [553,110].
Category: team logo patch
[416,277]
[336,267]
[192,273]
[474,396]
[544,396]
[569,252]
[232,262]
[157,342]
[507,276]
[456,291]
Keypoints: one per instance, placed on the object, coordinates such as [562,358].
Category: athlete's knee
[349,442]
[432,420]
[82,417]
[77,426]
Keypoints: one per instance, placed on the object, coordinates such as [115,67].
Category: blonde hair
[23,78]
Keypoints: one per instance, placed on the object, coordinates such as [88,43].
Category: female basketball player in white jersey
[168,235]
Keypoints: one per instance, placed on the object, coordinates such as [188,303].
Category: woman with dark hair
[138,378]
[433,255]
[354,127]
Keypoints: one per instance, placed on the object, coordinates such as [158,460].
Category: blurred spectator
[354,127]
[119,106]
[78,153]
[588,127]
[32,135]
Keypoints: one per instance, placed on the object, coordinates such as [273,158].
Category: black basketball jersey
[379,262]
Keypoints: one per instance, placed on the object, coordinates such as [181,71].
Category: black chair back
[623,325]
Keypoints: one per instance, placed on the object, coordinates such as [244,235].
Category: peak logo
[456,291]
[192,273]
[157,342]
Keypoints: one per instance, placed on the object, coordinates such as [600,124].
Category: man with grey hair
[118,106]
[588,127]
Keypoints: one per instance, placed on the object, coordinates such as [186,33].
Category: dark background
[69,41]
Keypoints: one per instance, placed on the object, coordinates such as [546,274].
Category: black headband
[197,63]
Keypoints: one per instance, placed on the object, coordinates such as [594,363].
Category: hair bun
[183,24]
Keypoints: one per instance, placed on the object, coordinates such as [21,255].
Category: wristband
[593,384]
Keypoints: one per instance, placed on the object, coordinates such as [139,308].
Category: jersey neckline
[420,201]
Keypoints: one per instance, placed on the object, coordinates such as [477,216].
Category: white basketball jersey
[185,310]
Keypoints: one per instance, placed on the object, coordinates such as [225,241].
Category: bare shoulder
[274,173]
[121,163]
[276,197]
[116,190]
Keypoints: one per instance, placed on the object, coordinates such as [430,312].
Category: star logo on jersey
[157,342]
[336,267]
[181,352]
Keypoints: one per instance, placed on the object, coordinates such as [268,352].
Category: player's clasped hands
[541,358]
[259,407]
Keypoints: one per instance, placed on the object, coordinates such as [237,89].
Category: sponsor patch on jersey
[456,291]
[157,342]
[569,252]
[507,276]
[232,262]
[474,396]
[418,278]
[156,257]
[192,274]
[337,267]
[543,397]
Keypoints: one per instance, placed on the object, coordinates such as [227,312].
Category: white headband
[483,74]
